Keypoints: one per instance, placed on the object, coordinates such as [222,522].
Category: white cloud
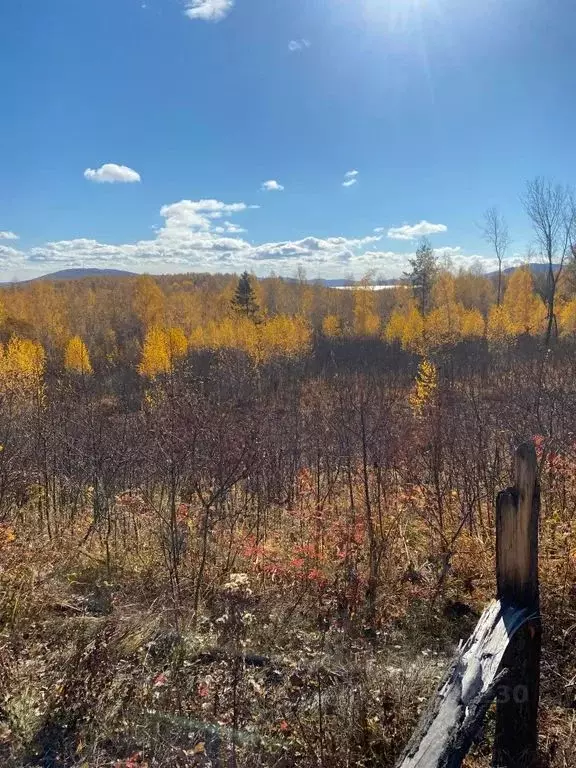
[190,238]
[196,215]
[313,250]
[7,235]
[271,186]
[208,10]
[110,173]
[202,235]
[233,229]
[449,251]
[197,234]
[350,178]
[11,257]
[411,232]
[298,45]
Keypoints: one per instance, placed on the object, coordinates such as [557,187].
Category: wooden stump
[502,657]
[517,513]
[455,714]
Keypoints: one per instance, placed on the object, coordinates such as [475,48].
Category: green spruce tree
[423,274]
[244,301]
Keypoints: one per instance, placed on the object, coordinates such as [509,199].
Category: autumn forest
[245,522]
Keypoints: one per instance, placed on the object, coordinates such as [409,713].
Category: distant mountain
[81,272]
[537,267]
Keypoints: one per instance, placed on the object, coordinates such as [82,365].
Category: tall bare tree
[552,212]
[495,232]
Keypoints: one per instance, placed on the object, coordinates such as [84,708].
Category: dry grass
[102,665]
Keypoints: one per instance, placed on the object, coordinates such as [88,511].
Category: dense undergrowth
[259,567]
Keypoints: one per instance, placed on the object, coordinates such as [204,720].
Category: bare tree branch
[495,232]
[552,212]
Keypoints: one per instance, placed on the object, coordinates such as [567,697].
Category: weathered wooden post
[502,656]
[517,512]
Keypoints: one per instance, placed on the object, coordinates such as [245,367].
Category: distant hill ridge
[537,267]
[79,273]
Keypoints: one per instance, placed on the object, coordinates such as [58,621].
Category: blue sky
[140,133]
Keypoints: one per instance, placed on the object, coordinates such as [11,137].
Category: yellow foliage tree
[425,387]
[444,290]
[525,311]
[76,357]
[472,324]
[306,300]
[48,312]
[413,331]
[162,348]
[244,335]
[406,327]
[22,364]
[332,326]
[285,336]
[566,285]
[148,301]
[177,343]
[25,357]
[366,320]
[198,338]
[372,324]
[230,333]
[444,323]
[474,291]
[395,327]
[498,328]
[281,335]
[156,357]
[567,318]
[184,309]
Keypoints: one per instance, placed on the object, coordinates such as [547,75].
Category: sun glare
[400,15]
[398,12]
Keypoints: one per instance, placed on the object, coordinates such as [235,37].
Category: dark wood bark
[502,657]
[455,714]
[517,513]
